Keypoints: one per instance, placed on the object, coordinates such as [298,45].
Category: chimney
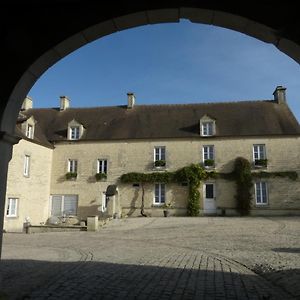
[64,102]
[131,100]
[279,94]
[27,103]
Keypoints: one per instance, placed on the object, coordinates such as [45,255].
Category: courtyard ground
[157,258]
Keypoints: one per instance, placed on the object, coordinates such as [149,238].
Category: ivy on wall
[195,173]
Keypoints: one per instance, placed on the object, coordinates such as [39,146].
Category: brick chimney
[279,94]
[64,102]
[131,100]
[27,103]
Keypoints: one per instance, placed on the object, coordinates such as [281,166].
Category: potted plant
[166,208]
[261,163]
[71,175]
[160,163]
[100,176]
[209,163]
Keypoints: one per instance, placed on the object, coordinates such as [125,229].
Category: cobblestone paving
[157,258]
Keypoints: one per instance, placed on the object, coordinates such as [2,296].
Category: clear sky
[170,63]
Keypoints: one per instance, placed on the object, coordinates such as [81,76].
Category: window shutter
[56,206]
[70,205]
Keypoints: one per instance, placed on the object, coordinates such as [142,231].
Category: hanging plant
[100,176]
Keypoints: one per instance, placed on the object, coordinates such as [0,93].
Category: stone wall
[32,191]
[137,156]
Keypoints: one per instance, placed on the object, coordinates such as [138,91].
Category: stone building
[69,160]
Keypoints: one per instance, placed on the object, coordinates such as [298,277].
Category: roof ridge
[159,104]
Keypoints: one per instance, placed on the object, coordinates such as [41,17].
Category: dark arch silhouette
[35,35]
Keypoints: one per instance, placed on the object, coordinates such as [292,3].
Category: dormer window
[29,131]
[207,126]
[75,130]
[74,133]
[28,126]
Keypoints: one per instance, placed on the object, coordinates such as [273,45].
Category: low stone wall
[51,228]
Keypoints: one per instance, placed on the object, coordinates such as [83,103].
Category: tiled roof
[233,119]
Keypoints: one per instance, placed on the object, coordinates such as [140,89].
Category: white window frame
[259,193]
[260,154]
[161,192]
[29,131]
[207,128]
[9,213]
[26,167]
[102,166]
[72,165]
[74,132]
[159,153]
[206,152]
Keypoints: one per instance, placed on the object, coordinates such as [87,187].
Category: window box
[160,163]
[71,175]
[209,163]
[261,163]
[100,176]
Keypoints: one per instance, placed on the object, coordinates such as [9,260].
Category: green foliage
[194,174]
[193,201]
[163,177]
[71,175]
[100,176]
[243,179]
[209,163]
[261,162]
[160,163]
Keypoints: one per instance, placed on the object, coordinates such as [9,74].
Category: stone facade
[49,163]
[137,156]
[31,191]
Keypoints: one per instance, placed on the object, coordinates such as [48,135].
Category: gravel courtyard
[157,258]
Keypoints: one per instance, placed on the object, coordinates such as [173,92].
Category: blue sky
[170,63]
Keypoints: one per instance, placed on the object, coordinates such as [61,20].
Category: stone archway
[52,30]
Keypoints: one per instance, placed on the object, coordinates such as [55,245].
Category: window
[64,205]
[74,133]
[26,165]
[207,128]
[29,131]
[102,166]
[208,156]
[72,165]
[160,193]
[12,207]
[259,155]
[160,156]
[261,193]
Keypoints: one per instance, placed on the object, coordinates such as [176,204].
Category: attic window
[74,132]
[29,131]
[207,128]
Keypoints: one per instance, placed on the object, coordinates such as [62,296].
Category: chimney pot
[279,94]
[27,103]
[131,100]
[64,102]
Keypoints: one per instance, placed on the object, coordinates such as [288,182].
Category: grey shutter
[56,206]
[70,205]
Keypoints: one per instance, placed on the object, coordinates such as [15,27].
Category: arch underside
[51,32]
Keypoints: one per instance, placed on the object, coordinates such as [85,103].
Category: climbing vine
[243,179]
[195,173]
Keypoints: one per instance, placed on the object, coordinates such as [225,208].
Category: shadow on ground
[30,279]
